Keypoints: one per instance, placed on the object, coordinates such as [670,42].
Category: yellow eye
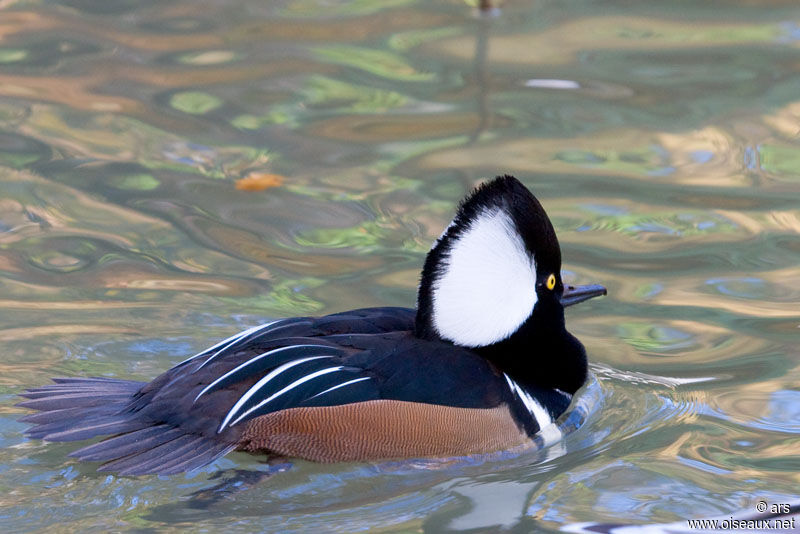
[551,281]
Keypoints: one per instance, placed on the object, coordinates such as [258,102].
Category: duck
[483,364]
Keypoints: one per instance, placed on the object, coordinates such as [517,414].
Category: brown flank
[382,429]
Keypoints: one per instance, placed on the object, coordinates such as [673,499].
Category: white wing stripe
[261,383]
[251,361]
[234,342]
[288,388]
[339,386]
[231,339]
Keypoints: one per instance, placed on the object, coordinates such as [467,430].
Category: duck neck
[541,353]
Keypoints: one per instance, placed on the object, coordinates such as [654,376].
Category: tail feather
[73,389]
[42,393]
[57,401]
[204,455]
[74,409]
[164,457]
[92,383]
[127,444]
[46,430]
[99,427]
[132,385]
[145,462]
[57,416]
[79,408]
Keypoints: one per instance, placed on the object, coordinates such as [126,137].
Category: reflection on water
[170,175]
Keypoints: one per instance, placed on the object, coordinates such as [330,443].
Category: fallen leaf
[258,181]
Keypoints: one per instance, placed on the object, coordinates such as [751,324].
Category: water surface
[172,172]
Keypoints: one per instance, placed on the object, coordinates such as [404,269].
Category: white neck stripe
[538,412]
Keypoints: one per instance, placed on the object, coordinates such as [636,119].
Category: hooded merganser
[485,363]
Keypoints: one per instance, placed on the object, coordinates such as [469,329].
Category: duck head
[492,283]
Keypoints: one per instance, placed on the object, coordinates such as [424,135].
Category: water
[662,138]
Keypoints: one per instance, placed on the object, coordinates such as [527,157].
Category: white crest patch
[487,286]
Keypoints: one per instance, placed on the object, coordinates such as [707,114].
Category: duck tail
[75,409]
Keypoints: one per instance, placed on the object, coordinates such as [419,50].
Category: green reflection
[284,114]
[135,182]
[644,160]
[378,62]
[19,151]
[405,41]
[780,160]
[647,337]
[362,238]
[286,298]
[12,55]
[352,8]
[683,224]
[194,102]
[329,92]
[209,57]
